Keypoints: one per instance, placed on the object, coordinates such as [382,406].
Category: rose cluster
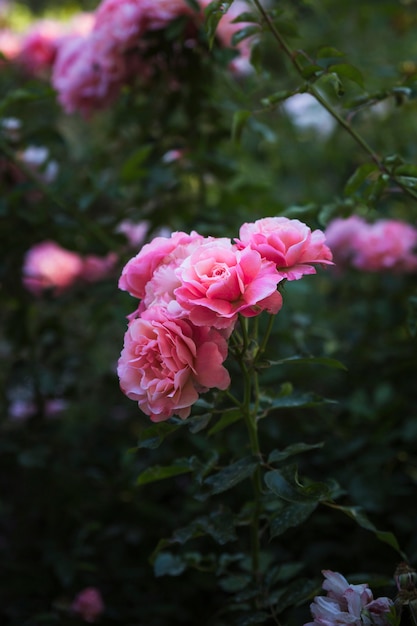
[387,245]
[191,291]
[349,604]
[94,54]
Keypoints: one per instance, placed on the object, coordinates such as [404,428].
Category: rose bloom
[39,46]
[140,270]
[97,267]
[166,363]
[387,245]
[88,604]
[218,282]
[86,75]
[290,244]
[48,266]
[348,604]
[343,236]
[10,44]
[135,232]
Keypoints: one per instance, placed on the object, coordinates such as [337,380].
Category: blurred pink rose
[39,46]
[10,44]
[218,282]
[48,266]
[135,232]
[343,235]
[348,604]
[290,244]
[387,245]
[88,604]
[166,363]
[140,270]
[96,268]
[120,20]
[86,75]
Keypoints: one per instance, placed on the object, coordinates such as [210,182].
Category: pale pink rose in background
[348,604]
[119,21]
[166,363]
[21,410]
[98,267]
[10,44]
[157,14]
[289,243]
[342,237]
[39,46]
[218,281]
[139,270]
[48,266]
[135,232]
[78,75]
[81,24]
[88,604]
[11,128]
[387,245]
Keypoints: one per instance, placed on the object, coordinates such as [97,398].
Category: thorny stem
[316,93]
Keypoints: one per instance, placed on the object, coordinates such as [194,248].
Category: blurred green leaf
[158,472]
[276,456]
[231,475]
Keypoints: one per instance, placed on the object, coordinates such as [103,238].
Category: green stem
[317,95]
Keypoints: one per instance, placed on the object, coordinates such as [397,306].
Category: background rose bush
[196,145]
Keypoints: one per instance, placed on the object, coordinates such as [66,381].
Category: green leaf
[276,456]
[246,16]
[229,417]
[153,436]
[345,70]
[359,177]
[239,122]
[294,400]
[328,52]
[293,514]
[232,584]
[277,97]
[311,360]
[168,564]
[293,491]
[244,33]
[250,619]
[360,517]
[160,472]
[213,14]
[219,525]
[231,475]
[132,167]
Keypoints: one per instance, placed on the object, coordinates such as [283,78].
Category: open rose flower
[166,363]
[48,266]
[343,236]
[159,252]
[218,282]
[290,244]
[349,604]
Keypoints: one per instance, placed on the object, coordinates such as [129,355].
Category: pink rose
[135,232]
[386,245]
[39,46]
[218,282]
[10,44]
[88,604]
[290,244]
[86,75]
[96,268]
[119,21]
[161,251]
[343,236]
[348,604]
[166,363]
[48,266]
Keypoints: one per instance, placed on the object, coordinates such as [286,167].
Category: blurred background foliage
[71,513]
